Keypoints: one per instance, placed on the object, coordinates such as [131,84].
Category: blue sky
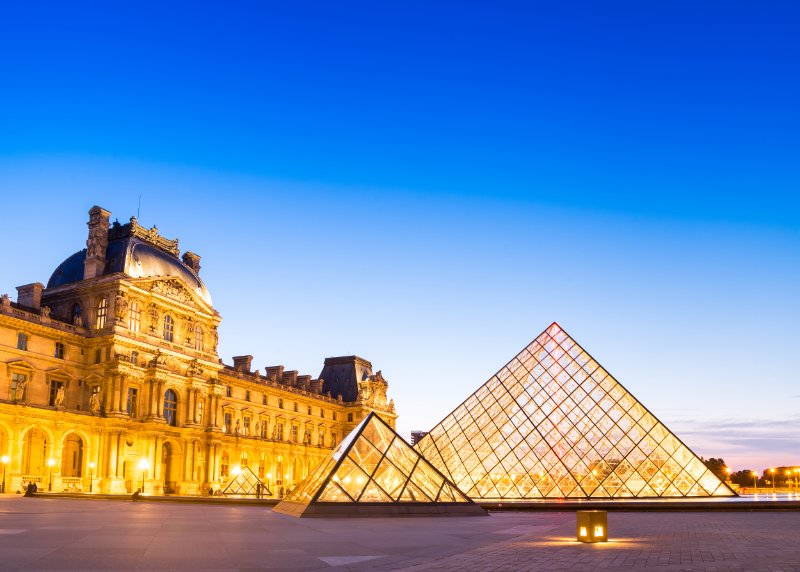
[430,186]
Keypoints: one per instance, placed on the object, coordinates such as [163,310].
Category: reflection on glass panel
[553,423]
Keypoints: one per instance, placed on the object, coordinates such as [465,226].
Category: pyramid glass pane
[554,423]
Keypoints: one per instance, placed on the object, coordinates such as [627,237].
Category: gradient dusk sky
[429,185]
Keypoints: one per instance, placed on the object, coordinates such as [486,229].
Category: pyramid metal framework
[552,423]
[374,465]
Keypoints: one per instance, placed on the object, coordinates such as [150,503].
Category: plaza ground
[52,533]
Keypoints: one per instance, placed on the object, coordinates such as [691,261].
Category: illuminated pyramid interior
[552,423]
[374,471]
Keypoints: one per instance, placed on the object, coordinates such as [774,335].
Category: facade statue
[120,306]
[94,402]
[45,311]
[59,402]
[19,394]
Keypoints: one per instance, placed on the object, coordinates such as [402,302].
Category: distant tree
[744,478]
[716,466]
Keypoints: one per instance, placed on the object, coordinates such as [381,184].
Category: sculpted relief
[172,289]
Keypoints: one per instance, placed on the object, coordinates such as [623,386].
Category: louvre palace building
[110,381]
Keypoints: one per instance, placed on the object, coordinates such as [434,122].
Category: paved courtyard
[50,534]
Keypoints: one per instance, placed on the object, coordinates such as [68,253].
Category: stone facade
[110,381]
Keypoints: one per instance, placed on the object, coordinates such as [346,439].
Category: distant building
[111,373]
[416,436]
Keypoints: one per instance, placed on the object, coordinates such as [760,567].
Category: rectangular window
[18,383]
[246,426]
[22,341]
[264,428]
[264,399]
[247,395]
[228,391]
[307,437]
[322,412]
[134,317]
[59,352]
[294,434]
[334,416]
[333,438]
[54,387]
[279,432]
[227,427]
[98,355]
[309,410]
[295,407]
[102,313]
[321,437]
[133,396]
[280,402]
[261,468]
[349,417]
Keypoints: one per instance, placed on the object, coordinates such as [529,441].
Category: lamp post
[773,480]
[729,471]
[91,470]
[755,481]
[4,459]
[144,464]
[50,463]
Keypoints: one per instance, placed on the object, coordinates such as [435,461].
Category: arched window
[169,328]
[243,460]
[75,315]
[198,338]
[171,408]
[134,317]
[102,313]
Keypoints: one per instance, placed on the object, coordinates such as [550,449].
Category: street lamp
[4,459]
[755,482]
[50,463]
[773,480]
[144,464]
[91,468]
[729,471]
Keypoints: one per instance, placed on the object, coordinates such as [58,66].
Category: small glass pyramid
[552,423]
[246,483]
[374,466]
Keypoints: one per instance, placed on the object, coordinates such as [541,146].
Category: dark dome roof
[137,259]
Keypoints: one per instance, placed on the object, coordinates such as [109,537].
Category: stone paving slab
[61,534]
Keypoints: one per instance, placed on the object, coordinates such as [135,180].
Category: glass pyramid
[552,423]
[246,483]
[373,464]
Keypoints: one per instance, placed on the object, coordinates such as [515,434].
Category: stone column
[153,403]
[160,399]
[190,399]
[123,394]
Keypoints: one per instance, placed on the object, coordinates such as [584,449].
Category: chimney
[244,362]
[97,242]
[30,295]
[192,260]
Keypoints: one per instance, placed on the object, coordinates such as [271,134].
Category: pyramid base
[336,509]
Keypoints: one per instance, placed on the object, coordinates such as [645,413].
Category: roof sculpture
[375,472]
[552,423]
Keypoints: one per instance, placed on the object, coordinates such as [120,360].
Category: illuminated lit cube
[592,525]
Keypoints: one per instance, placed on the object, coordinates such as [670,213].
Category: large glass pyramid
[552,423]
[374,471]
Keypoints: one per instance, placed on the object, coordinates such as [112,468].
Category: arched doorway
[34,454]
[72,457]
[167,458]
